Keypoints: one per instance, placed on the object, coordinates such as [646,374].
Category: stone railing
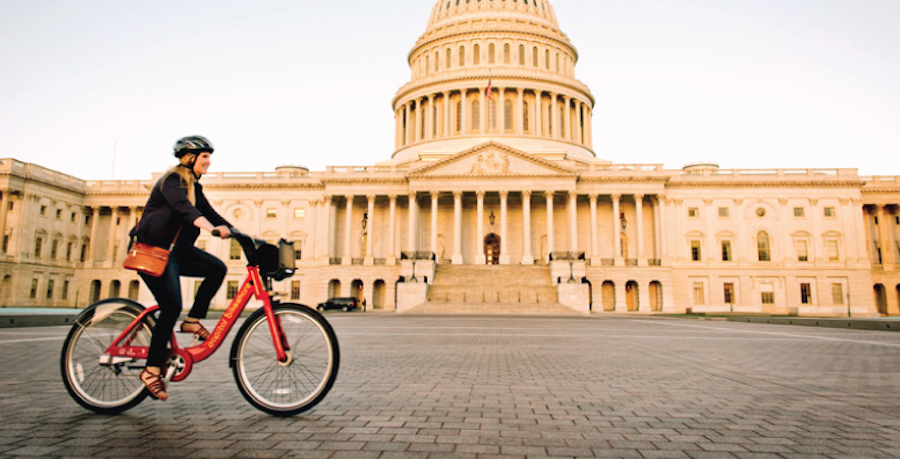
[654,262]
[607,262]
[334,261]
[357,261]
[631,262]
[417,256]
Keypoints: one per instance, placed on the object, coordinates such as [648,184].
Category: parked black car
[344,304]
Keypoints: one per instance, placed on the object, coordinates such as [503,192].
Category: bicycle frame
[253,286]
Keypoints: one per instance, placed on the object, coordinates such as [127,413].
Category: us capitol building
[492,201]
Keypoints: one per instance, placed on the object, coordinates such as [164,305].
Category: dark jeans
[191,262]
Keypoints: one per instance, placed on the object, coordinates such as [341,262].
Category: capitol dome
[515,47]
[452,10]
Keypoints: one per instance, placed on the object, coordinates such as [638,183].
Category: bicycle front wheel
[301,382]
[97,381]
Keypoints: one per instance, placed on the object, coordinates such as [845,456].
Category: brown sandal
[196,328]
[154,384]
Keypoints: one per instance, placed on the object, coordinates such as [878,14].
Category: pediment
[492,160]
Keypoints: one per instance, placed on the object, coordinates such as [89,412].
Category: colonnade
[431,116]
[883,232]
[478,235]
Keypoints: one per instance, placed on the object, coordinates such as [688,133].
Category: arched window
[437,60]
[506,53]
[476,55]
[762,244]
[562,125]
[547,59]
[459,116]
[521,54]
[448,58]
[492,113]
[462,56]
[507,115]
[534,57]
[427,64]
[557,62]
[491,53]
[476,115]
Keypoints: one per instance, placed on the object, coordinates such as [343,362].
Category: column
[657,228]
[479,223]
[447,124]
[111,243]
[464,105]
[434,222]
[406,134]
[501,112]
[348,228]
[370,237]
[95,216]
[553,122]
[550,236]
[578,117]
[567,118]
[639,210]
[392,233]
[417,129]
[573,221]
[4,209]
[482,106]
[519,118]
[538,128]
[616,230]
[595,249]
[330,226]
[589,127]
[884,238]
[457,228]
[527,257]
[413,210]
[429,125]
[504,244]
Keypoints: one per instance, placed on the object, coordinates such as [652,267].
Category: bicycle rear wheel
[99,382]
[294,386]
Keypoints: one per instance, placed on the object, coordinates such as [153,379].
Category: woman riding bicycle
[177,210]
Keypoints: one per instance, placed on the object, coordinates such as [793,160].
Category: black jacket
[168,209]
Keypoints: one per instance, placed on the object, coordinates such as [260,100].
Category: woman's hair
[186,174]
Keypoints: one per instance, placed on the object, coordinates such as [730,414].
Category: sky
[102,89]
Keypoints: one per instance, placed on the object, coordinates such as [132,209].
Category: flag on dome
[487,92]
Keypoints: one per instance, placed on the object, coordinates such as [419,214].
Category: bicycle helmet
[192,145]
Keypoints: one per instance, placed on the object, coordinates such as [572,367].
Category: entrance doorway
[492,249]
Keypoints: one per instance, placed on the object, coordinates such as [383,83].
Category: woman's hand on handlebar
[221,231]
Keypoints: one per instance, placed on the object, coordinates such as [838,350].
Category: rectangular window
[295,290]
[726,250]
[50,289]
[38,245]
[767,293]
[837,293]
[59,214]
[11,206]
[69,251]
[806,293]
[231,290]
[728,291]
[695,250]
[833,251]
[5,243]
[693,212]
[299,213]
[34,286]
[798,212]
[54,249]
[234,252]
[699,297]
[829,212]
[87,220]
[43,210]
[72,217]
[271,213]
[65,290]
[723,211]
[802,251]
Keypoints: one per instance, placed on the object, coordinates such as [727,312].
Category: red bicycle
[284,358]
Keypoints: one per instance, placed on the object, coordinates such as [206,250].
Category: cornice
[880,190]
[628,179]
[263,186]
[405,91]
[493,33]
[363,180]
[491,178]
[768,184]
[46,183]
[563,171]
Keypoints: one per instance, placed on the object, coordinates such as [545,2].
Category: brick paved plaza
[424,386]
